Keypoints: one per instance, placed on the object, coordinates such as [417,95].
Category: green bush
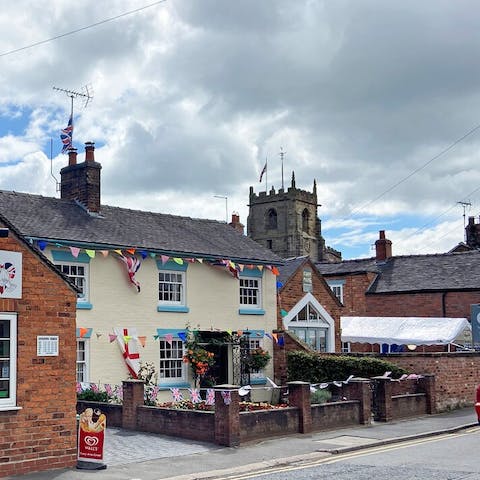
[93,396]
[320,396]
[315,368]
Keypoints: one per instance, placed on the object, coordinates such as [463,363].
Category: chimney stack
[81,181]
[383,248]
[235,223]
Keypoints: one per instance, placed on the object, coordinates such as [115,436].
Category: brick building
[439,285]
[37,360]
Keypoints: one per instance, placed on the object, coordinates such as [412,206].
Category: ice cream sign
[10,274]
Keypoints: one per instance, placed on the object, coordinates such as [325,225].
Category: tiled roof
[289,267]
[447,271]
[362,265]
[50,218]
[413,273]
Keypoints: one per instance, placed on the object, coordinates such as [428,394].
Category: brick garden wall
[42,433]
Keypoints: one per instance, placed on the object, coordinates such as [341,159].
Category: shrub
[315,368]
[93,396]
[320,396]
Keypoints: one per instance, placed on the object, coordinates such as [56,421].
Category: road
[443,457]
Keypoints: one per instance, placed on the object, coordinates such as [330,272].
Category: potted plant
[258,359]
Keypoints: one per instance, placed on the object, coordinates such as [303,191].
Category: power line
[92,25]
[395,185]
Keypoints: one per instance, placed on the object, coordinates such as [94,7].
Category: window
[8,360]
[172,287]
[269,244]
[337,288]
[250,291]
[307,280]
[305,217]
[77,269]
[171,361]
[346,347]
[82,360]
[272,219]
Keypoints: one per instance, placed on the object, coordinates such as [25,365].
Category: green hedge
[315,368]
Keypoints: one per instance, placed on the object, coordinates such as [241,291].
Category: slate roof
[289,267]
[414,273]
[52,219]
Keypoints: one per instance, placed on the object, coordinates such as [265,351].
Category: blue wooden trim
[172,266]
[251,311]
[84,305]
[254,272]
[161,332]
[257,334]
[167,386]
[335,283]
[87,335]
[64,256]
[173,308]
[258,381]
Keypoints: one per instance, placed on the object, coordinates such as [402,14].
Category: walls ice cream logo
[91,441]
[7,275]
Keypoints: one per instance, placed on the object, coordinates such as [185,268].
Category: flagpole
[71,116]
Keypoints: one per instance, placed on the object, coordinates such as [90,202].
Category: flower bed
[202,406]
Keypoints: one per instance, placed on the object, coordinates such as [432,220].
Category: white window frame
[337,287]
[84,297]
[255,290]
[163,344]
[85,362]
[182,284]
[9,402]
[253,344]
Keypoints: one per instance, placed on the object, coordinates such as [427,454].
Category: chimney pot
[89,152]
[72,156]
[383,247]
[235,223]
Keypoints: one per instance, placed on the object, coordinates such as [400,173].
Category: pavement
[133,455]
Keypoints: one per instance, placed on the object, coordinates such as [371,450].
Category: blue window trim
[251,311]
[256,334]
[64,256]
[172,266]
[258,381]
[254,272]
[161,332]
[87,335]
[173,308]
[84,305]
[167,386]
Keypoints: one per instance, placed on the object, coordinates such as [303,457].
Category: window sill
[173,308]
[167,386]
[84,306]
[9,409]
[251,311]
[258,381]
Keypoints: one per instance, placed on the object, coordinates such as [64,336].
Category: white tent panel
[402,330]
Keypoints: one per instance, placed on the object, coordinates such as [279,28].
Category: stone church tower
[287,223]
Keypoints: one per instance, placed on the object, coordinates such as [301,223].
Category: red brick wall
[292,292]
[42,434]
[456,374]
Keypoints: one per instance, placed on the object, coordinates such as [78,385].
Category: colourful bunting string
[165,259]
[74,251]
[169,338]
[178,260]
[279,284]
[90,253]
[83,332]
[142,340]
[104,253]
[182,336]
[195,395]
[227,397]
[275,271]
[152,254]
[275,337]
[119,252]
[111,337]
[283,313]
[176,394]
[127,338]
[210,400]
[131,251]
[144,254]
[156,337]
[41,245]
[281,341]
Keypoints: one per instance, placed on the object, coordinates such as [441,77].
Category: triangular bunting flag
[260,267]
[165,259]
[127,338]
[239,333]
[169,338]
[281,341]
[153,254]
[283,312]
[200,260]
[142,340]
[178,260]
[275,336]
[83,332]
[275,271]
[131,251]
[182,336]
[119,252]
[104,253]
[90,253]
[268,336]
[111,337]
[42,244]
[144,254]
[74,251]
[156,337]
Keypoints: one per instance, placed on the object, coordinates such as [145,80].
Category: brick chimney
[82,181]
[472,233]
[235,223]
[383,248]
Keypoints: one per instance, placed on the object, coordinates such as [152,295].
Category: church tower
[287,223]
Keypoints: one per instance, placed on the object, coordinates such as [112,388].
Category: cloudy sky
[377,100]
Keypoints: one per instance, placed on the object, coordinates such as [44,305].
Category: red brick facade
[292,292]
[41,434]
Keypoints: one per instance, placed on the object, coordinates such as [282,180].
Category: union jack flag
[66,135]
[176,394]
[210,396]
[195,395]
